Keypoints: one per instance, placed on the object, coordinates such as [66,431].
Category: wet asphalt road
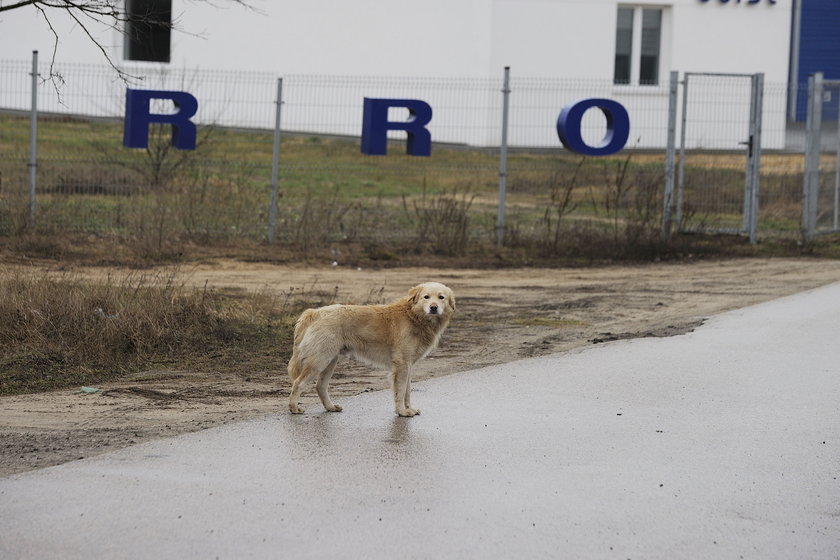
[723,443]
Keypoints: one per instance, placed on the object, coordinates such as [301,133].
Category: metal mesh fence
[332,194]
[821,211]
[716,132]
[237,99]
[712,197]
[466,111]
[86,180]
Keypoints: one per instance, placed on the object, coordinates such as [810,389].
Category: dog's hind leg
[305,372]
[294,395]
[323,387]
[314,353]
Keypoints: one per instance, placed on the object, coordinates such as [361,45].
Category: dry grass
[59,330]
[338,204]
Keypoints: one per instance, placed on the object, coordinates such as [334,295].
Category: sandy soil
[503,315]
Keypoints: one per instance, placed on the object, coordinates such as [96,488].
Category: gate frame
[753,143]
[811,176]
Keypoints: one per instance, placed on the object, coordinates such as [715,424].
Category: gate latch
[749,145]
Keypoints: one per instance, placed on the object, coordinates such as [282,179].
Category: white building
[627,49]
[459,38]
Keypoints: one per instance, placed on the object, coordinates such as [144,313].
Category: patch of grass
[59,330]
[161,204]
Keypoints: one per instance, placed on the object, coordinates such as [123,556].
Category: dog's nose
[433,309]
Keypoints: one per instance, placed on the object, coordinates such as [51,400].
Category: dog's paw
[408,412]
[295,409]
[334,408]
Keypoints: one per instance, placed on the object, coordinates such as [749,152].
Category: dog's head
[432,298]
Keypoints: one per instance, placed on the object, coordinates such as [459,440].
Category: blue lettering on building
[375,123]
[375,126]
[615,138]
[138,117]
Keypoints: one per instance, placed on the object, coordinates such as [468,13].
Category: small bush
[58,330]
[442,221]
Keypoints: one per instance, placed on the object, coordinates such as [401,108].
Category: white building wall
[575,39]
[740,38]
[364,37]
[557,39]
[733,37]
[463,38]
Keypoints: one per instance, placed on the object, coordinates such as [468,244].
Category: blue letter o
[618,127]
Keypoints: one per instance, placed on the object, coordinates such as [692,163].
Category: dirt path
[503,315]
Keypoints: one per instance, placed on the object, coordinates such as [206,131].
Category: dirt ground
[503,315]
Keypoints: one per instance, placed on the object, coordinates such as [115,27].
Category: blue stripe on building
[819,51]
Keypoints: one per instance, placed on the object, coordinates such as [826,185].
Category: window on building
[649,59]
[623,46]
[638,41]
[147,30]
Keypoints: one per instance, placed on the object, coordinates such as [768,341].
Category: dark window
[649,60]
[147,30]
[623,46]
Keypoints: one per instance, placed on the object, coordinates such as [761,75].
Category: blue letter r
[138,117]
[375,126]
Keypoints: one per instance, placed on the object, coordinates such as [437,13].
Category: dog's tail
[303,323]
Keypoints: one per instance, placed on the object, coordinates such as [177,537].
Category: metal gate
[821,185]
[717,190]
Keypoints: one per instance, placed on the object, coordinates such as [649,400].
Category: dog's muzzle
[433,310]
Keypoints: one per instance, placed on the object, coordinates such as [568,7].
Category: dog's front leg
[402,388]
[408,392]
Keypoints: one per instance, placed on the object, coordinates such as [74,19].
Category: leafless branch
[109,13]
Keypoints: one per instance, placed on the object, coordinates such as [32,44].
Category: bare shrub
[612,194]
[318,220]
[601,209]
[160,164]
[441,221]
[644,214]
[219,203]
[60,329]
[560,203]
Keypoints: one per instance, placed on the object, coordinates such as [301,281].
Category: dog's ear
[414,294]
[452,301]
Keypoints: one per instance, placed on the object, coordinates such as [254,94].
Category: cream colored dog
[395,336]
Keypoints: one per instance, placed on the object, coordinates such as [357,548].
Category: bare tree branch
[109,13]
[17,5]
[55,78]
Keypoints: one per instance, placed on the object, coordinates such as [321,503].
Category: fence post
[500,220]
[33,140]
[754,158]
[836,222]
[670,153]
[681,178]
[813,125]
[275,164]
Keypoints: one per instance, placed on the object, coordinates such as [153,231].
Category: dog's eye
[426,297]
[441,297]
